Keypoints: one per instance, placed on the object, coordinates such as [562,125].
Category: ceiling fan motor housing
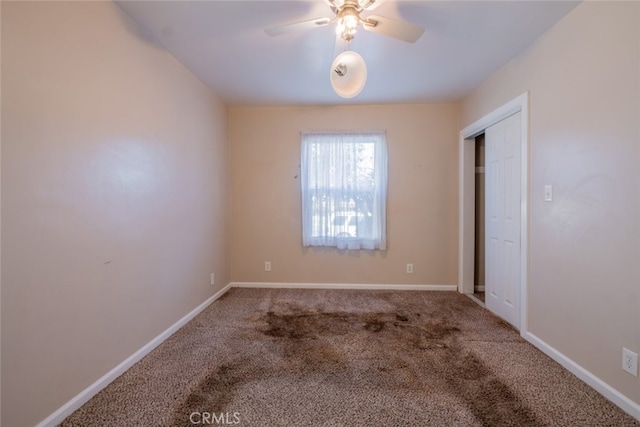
[358,5]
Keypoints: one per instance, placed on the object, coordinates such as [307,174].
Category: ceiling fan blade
[390,27]
[370,4]
[297,26]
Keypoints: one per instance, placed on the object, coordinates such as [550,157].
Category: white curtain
[344,189]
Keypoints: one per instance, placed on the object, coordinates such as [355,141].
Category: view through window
[344,183]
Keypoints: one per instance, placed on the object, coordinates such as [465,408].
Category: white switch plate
[267,266]
[548,193]
[410,268]
[212,279]
[630,361]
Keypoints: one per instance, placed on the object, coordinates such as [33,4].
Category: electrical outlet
[410,268]
[267,266]
[212,279]
[630,361]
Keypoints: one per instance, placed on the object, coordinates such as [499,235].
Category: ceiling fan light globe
[351,80]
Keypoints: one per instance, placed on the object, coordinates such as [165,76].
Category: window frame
[375,218]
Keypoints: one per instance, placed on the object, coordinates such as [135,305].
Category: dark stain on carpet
[402,318]
[216,390]
[374,325]
[410,353]
[489,399]
[314,325]
[305,325]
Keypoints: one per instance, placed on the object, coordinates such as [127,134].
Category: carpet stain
[402,318]
[305,325]
[409,353]
[215,392]
[434,341]
[374,325]
[491,401]
[313,325]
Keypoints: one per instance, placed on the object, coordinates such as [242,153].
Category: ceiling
[224,44]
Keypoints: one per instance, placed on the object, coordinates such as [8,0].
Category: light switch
[548,193]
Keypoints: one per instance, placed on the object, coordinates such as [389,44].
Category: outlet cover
[409,268]
[267,266]
[212,279]
[630,361]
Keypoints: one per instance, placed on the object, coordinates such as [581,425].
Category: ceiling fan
[347,15]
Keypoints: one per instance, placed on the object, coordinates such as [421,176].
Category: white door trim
[466,169]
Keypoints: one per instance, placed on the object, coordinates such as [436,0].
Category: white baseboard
[275,285]
[630,407]
[83,397]
[478,288]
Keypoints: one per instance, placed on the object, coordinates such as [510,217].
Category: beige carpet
[262,357]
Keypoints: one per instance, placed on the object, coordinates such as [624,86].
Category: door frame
[466,191]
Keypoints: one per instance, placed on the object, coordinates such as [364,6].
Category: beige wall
[584,280]
[422,195]
[114,198]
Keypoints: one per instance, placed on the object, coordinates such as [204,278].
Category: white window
[344,189]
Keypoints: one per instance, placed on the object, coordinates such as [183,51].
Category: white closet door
[502,216]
